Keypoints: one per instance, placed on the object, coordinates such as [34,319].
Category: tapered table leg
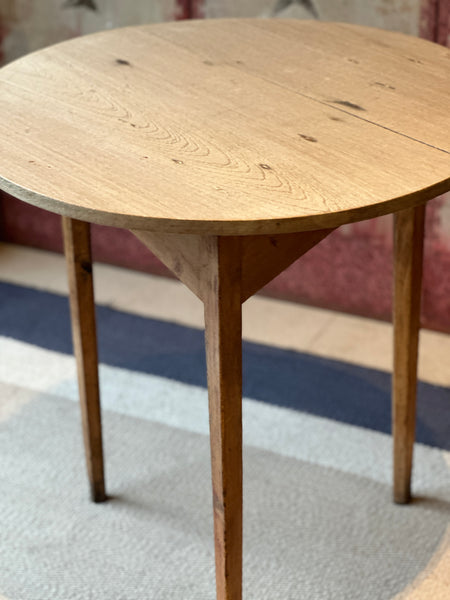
[77,249]
[223,272]
[409,232]
[224,359]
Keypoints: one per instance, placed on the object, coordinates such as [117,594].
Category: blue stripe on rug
[322,387]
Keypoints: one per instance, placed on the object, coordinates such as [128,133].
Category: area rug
[319,520]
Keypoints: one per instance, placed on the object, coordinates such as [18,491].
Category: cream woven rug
[319,521]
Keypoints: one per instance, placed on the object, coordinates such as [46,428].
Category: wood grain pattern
[224,272]
[77,249]
[223,335]
[186,255]
[231,148]
[409,231]
[262,257]
[225,127]
[388,79]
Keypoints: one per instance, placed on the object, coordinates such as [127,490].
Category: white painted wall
[33,24]
[398,15]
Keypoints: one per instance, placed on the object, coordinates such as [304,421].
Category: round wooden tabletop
[228,126]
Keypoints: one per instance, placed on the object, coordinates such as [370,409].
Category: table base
[224,271]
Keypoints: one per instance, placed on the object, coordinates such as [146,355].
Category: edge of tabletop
[226,227]
[270,226]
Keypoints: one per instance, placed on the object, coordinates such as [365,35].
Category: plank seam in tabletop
[309,97]
[350,114]
[241,163]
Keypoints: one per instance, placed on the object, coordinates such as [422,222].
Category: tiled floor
[323,333]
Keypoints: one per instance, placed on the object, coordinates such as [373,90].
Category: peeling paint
[197,9]
[28,25]
[352,269]
[308,5]
[90,4]
[183,10]
[442,220]
[443,23]
[428,19]
[435,21]
[399,15]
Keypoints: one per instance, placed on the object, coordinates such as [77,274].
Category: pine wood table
[230,148]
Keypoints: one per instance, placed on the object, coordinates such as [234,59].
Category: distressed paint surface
[28,25]
[399,15]
[352,269]
[428,19]
[443,23]
[435,26]
[435,21]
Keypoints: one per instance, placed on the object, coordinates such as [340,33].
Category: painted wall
[399,15]
[32,24]
[352,269]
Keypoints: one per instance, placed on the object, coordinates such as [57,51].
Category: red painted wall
[197,9]
[435,21]
[184,10]
[443,24]
[349,271]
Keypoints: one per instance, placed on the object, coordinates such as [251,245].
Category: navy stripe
[322,387]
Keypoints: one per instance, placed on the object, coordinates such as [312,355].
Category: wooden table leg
[223,272]
[409,232]
[77,249]
[224,360]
